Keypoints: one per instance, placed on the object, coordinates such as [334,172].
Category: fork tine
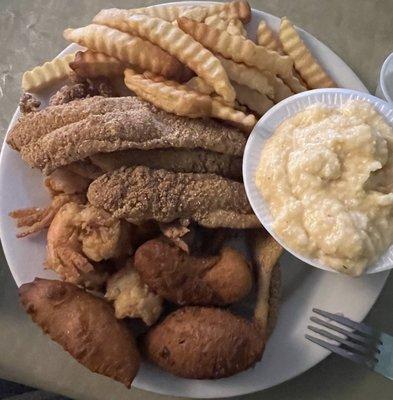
[351,345]
[349,323]
[358,338]
[342,352]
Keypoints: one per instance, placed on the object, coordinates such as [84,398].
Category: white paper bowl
[266,127]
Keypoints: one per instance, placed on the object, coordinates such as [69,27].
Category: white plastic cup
[266,127]
[385,83]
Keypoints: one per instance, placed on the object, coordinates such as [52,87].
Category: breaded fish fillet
[32,126]
[140,194]
[140,128]
[174,160]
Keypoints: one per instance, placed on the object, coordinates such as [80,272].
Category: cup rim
[382,76]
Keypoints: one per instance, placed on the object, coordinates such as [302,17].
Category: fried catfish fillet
[175,160]
[139,194]
[32,126]
[98,130]
[83,325]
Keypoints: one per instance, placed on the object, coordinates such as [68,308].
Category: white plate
[266,127]
[287,354]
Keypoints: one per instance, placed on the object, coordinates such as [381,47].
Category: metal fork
[361,343]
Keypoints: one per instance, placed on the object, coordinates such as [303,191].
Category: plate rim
[242,390]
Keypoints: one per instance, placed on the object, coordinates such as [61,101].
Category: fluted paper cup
[266,127]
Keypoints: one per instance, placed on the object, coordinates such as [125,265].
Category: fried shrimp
[34,219]
[65,186]
[63,180]
[81,236]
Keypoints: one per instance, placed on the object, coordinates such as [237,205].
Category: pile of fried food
[147,188]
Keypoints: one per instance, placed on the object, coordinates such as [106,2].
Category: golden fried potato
[204,343]
[308,67]
[178,99]
[244,122]
[167,95]
[266,37]
[232,26]
[249,76]
[199,85]
[255,101]
[170,12]
[90,64]
[239,9]
[47,74]
[236,47]
[83,325]
[127,48]
[167,12]
[281,90]
[187,280]
[173,40]
[195,13]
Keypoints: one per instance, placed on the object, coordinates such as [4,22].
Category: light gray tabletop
[359,31]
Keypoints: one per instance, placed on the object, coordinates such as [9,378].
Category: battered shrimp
[35,219]
[79,237]
[65,186]
[63,180]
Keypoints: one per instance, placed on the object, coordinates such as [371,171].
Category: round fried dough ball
[188,280]
[204,343]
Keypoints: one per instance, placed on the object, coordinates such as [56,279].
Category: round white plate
[287,354]
[265,128]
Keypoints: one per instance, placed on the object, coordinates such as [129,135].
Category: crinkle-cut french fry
[175,42]
[267,38]
[240,107]
[254,100]
[310,70]
[232,26]
[294,83]
[235,9]
[196,13]
[236,47]
[90,64]
[235,27]
[179,99]
[127,48]
[281,90]
[169,12]
[245,122]
[149,75]
[262,81]
[47,74]
[199,85]
[168,96]
[249,76]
